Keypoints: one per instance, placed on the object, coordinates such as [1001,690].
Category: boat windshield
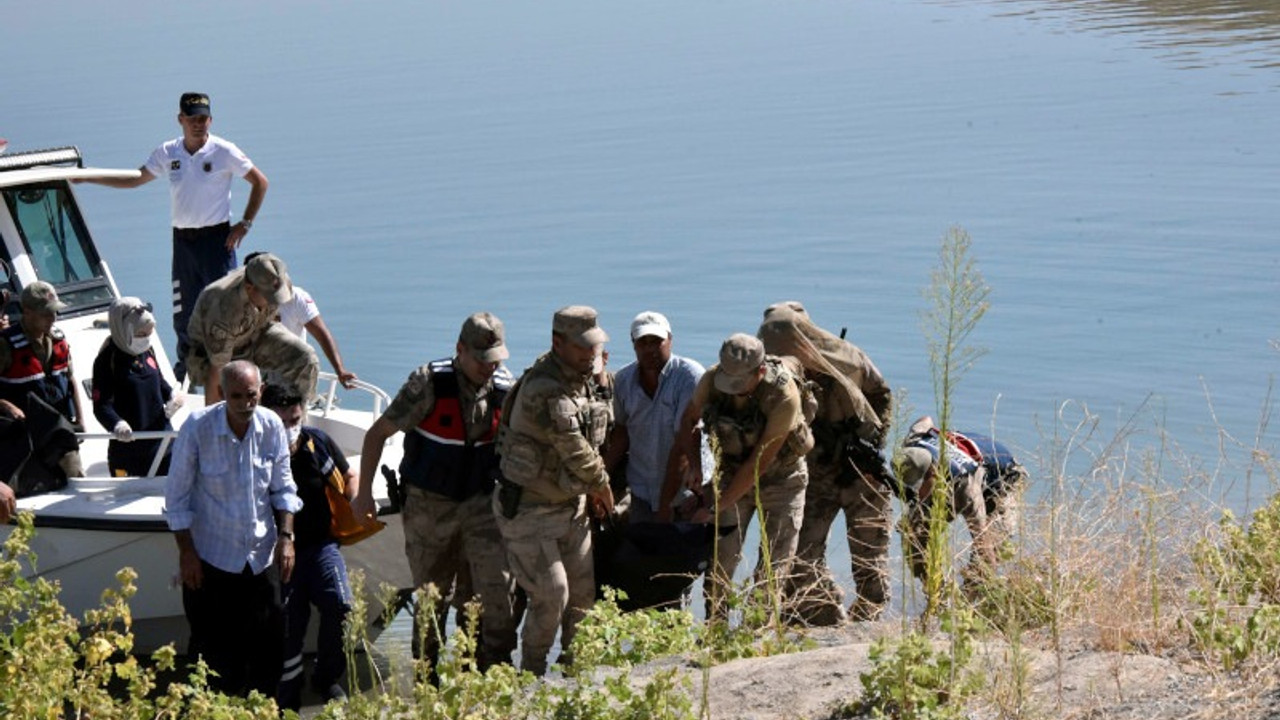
[58,243]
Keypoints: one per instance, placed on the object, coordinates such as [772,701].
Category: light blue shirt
[652,423]
[226,489]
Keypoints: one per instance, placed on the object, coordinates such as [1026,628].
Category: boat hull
[85,562]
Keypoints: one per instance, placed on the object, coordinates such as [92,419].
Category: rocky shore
[1075,683]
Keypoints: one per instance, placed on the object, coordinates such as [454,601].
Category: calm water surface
[1115,162]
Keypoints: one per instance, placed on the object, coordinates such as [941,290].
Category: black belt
[194,233]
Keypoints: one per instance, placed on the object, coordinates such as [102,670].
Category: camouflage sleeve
[208,328]
[196,323]
[577,456]
[414,401]
[783,416]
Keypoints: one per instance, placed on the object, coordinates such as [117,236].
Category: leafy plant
[912,678]
[49,669]
[1237,616]
[609,637]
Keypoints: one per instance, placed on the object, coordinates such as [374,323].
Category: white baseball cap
[650,323]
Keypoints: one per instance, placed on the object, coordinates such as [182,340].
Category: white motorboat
[89,530]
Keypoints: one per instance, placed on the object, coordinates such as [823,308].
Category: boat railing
[164,436]
[326,403]
[327,400]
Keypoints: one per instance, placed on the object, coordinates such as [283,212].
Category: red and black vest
[27,375]
[438,455]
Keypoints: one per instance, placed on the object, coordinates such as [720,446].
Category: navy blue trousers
[200,256]
[320,579]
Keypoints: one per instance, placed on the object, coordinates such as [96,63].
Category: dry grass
[1102,561]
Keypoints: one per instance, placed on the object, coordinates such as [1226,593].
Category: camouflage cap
[269,275]
[913,464]
[484,335]
[578,323]
[741,357]
[40,296]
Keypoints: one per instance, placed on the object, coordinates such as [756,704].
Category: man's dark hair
[278,396]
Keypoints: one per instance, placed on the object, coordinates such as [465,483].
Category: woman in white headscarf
[129,393]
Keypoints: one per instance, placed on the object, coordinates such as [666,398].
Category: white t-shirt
[199,184]
[299,311]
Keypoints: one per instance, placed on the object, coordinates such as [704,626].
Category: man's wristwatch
[247,223]
[286,535]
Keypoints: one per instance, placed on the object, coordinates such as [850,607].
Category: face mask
[139,345]
[293,434]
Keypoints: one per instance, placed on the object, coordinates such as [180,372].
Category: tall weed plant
[911,678]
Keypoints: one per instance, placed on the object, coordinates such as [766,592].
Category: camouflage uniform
[550,449]
[985,495]
[835,485]
[455,544]
[226,326]
[736,425]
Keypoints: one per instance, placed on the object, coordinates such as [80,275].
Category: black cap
[194,104]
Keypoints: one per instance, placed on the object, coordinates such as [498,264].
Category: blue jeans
[319,578]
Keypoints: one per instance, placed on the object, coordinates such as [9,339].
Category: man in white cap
[551,463]
[235,317]
[650,396]
[35,362]
[450,410]
[758,409]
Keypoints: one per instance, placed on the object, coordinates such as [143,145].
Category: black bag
[49,436]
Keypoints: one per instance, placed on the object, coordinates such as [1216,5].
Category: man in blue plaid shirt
[230,501]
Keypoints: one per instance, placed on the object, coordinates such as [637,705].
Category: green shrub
[48,669]
[1237,608]
[911,679]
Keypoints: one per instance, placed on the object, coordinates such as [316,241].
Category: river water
[1114,161]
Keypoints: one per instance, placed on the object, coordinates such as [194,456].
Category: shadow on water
[1190,32]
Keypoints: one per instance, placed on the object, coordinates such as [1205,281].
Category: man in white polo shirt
[200,167]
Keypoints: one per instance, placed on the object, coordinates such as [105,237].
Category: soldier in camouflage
[846,471]
[551,464]
[235,318]
[983,484]
[756,409]
[450,411]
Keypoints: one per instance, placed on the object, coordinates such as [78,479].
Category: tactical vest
[438,454]
[738,429]
[528,462]
[26,374]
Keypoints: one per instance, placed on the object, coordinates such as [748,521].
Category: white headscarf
[126,317]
